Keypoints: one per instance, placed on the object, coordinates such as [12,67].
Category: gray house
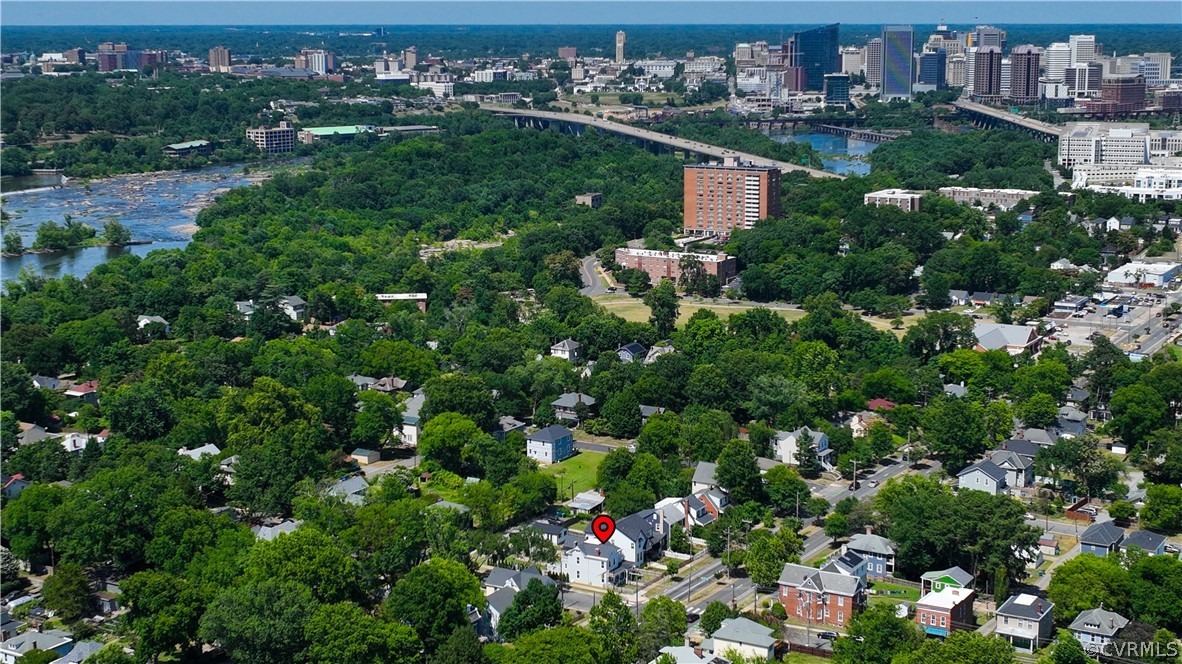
[565,406]
[878,551]
[1097,627]
[1101,539]
[982,476]
[1145,540]
[632,352]
[1025,621]
[1019,469]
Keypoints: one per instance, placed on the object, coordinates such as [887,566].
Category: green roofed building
[188,148]
[312,134]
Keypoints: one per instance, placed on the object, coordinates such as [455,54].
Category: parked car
[828,636]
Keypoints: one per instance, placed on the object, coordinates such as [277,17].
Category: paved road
[593,447]
[592,284]
[1045,580]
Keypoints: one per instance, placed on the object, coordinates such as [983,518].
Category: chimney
[1040,607]
[869,529]
[698,653]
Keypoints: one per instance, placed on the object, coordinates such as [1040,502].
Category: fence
[809,650]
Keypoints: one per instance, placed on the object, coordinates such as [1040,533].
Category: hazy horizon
[282,13]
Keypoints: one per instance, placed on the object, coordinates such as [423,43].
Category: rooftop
[1025,606]
[946,598]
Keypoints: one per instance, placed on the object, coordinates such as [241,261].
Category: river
[159,208]
[841,154]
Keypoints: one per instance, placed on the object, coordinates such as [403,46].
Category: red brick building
[722,197]
[940,613]
[667,264]
[822,598]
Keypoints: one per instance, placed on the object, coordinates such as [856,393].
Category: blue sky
[580,12]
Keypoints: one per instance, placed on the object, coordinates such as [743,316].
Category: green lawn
[908,593]
[633,309]
[579,469]
[800,658]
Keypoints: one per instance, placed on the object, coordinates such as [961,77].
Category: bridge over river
[578,123]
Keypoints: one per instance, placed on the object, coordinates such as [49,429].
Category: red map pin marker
[603,527]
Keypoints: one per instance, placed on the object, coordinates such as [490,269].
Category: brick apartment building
[667,264]
[939,613]
[722,197]
[824,598]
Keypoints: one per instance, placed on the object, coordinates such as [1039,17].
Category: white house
[567,349]
[1018,468]
[550,445]
[786,445]
[689,655]
[743,637]
[982,476]
[1097,627]
[638,536]
[592,563]
[411,426]
[144,321]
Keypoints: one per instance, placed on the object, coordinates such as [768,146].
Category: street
[592,283]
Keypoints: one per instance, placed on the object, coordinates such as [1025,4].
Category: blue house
[550,445]
[1101,539]
[878,551]
[632,352]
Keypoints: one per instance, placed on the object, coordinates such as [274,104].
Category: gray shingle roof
[571,399]
[742,630]
[988,468]
[956,573]
[994,336]
[796,576]
[1030,607]
[1006,457]
[870,543]
[567,344]
[550,434]
[1102,534]
[634,349]
[1019,446]
[1146,540]
[704,473]
[501,599]
[1099,621]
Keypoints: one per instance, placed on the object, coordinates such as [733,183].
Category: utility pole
[798,504]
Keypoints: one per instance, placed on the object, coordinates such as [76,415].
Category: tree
[622,413]
[141,411]
[1122,511]
[612,621]
[379,415]
[164,612]
[115,233]
[1083,583]
[445,438]
[1068,650]
[836,526]
[1163,508]
[786,489]
[738,472]
[342,634]
[26,519]
[561,645]
[767,555]
[260,623]
[662,623]
[679,540]
[67,592]
[13,243]
[955,429]
[628,499]
[662,301]
[1156,594]
[960,648]
[460,393]
[712,617]
[1137,411]
[808,459]
[462,647]
[1039,411]
[309,557]
[537,606]
[614,469]
[433,598]
[878,636]
[938,333]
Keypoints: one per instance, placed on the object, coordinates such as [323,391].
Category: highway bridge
[990,117]
[577,123]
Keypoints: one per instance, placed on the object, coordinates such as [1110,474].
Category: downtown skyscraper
[898,63]
[817,52]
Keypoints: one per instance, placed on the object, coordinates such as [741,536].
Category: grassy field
[904,593]
[801,658]
[633,309]
[579,469]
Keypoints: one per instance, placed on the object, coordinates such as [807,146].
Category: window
[1006,620]
[943,621]
[841,617]
[840,600]
[923,618]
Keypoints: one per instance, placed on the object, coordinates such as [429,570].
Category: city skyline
[575,12]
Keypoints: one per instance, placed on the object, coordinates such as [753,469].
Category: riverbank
[37,252]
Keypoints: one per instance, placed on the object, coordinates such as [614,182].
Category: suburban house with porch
[982,476]
[787,444]
[566,406]
[1025,621]
[1097,627]
[878,551]
[638,536]
[1101,539]
[937,580]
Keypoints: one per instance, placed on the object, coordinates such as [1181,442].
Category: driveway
[592,283]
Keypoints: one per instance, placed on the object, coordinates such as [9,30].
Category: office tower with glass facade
[898,62]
